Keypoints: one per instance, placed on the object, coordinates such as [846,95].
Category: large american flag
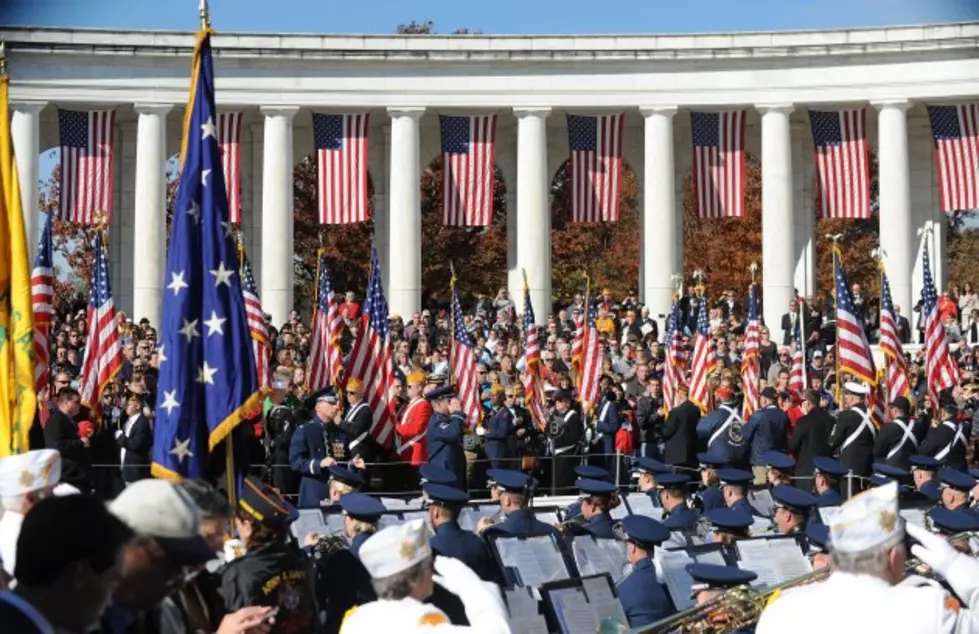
[956,133]
[896,369]
[591,359]
[229,140]
[42,299]
[533,381]
[853,350]
[941,370]
[103,346]
[797,373]
[341,161]
[718,162]
[325,355]
[596,167]
[704,359]
[257,328]
[463,359]
[751,360]
[468,169]
[674,378]
[842,164]
[86,165]
[370,357]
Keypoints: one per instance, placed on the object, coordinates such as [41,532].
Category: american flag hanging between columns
[229,138]
[341,167]
[719,175]
[468,170]
[86,182]
[955,130]
[842,163]
[595,186]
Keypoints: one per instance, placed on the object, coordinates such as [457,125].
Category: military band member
[869,559]
[854,433]
[358,420]
[948,523]
[884,473]
[607,423]
[711,580]
[644,600]
[710,495]
[677,516]
[435,474]
[498,430]
[728,525]
[341,482]
[319,444]
[519,521]
[897,439]
[817,536]
[588,472]
[25,480]
[270,572]
[924,471]
[722,429]
[826,480]
[764,431]
[792,507]
[281,424]
[444,504]
[956,486]
[734,483]
[566,431]
[645,471]
[597,501]
[445,436]
[780,467]
[946,440]
[361,514]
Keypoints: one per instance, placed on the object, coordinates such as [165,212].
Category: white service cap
[868,520]
[30,471]
[395,549]
[854,387]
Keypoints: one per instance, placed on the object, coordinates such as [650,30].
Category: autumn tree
[72,242]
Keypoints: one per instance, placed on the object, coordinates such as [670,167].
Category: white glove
[960,571]
[484,605]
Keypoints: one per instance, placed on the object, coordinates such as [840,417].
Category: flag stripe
[955,130]
[719,162]
[341,167]
[842,165]
[941,369]
[751,361]
[86,147]
[596,167]
[42,301]
[463,358]
[103,346]
[229,142]
[325,355]
[468,169]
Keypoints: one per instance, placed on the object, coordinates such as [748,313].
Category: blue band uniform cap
[950,522]
[672,480]
[974,473]
[830,466]
[436,474]
[727,519]
[594,487]
[652,466]
[345,475]
[444,495]
[709,460]
[924,463]
[817,534]
[778,460]
[644,531]
[889,471]
[325,395]
[362,506]
[956,479]
[592,472]
[793,498]
[879,479]
[512,481]
[441,394]
[735,476]
[710,576]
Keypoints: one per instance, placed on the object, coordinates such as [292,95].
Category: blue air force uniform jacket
[445,445]
[310,444]
[452,541]
[643,599]
[499,432]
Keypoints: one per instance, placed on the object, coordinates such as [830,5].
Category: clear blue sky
[499,16]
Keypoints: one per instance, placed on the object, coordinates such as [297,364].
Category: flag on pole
[533,381]
[341,167]
[751,359]
[18,400]
[941,369]
[842,163]
[854,355]
[370,357]
[578,341]
[896,370]
[596,167]
[675,363]
[591,359]
[86,165]
[704,360]
[208,382]
[955,130]
[229,137]
[103,346]
[257,327]
[42,300]
[468,169]
[797,373]
[463,357]
[325,355]
[719,163]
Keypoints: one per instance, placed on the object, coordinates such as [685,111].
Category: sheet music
[580,618]
[535,624]
[611,609]
[619,512]
[520,603]
[913,516]
[386,520]
[676,540]
[549,517]
[642,504]
[334,522]
[394,504]
[309,521]
[773,560]
[828,513]
[564,602]
[761,500]
[759,526]
[672,566]
[537,560]
[597,589]
[714,557]
[789,559]
[598,556]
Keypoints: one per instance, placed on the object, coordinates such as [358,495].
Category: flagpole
[802,345]
[584,330]
[837,256]
[452,318]
[879,254]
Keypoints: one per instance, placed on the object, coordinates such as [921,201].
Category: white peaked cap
[867,521]
[30,471]
[853,387]
[395,549]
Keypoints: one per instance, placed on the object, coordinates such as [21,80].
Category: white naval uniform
[857,604]
[9,531]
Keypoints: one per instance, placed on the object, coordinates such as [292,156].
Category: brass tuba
[733,610]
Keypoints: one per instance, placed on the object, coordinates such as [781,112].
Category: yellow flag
[18,401]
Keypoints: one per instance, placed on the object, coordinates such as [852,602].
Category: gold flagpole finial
[526,287]
[205,14]
[698,277]
[879,255]
[753,269]
[452,273]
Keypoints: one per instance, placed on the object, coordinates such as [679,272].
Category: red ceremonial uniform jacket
[411,429]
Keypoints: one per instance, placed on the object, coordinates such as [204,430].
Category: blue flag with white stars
[207,381]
